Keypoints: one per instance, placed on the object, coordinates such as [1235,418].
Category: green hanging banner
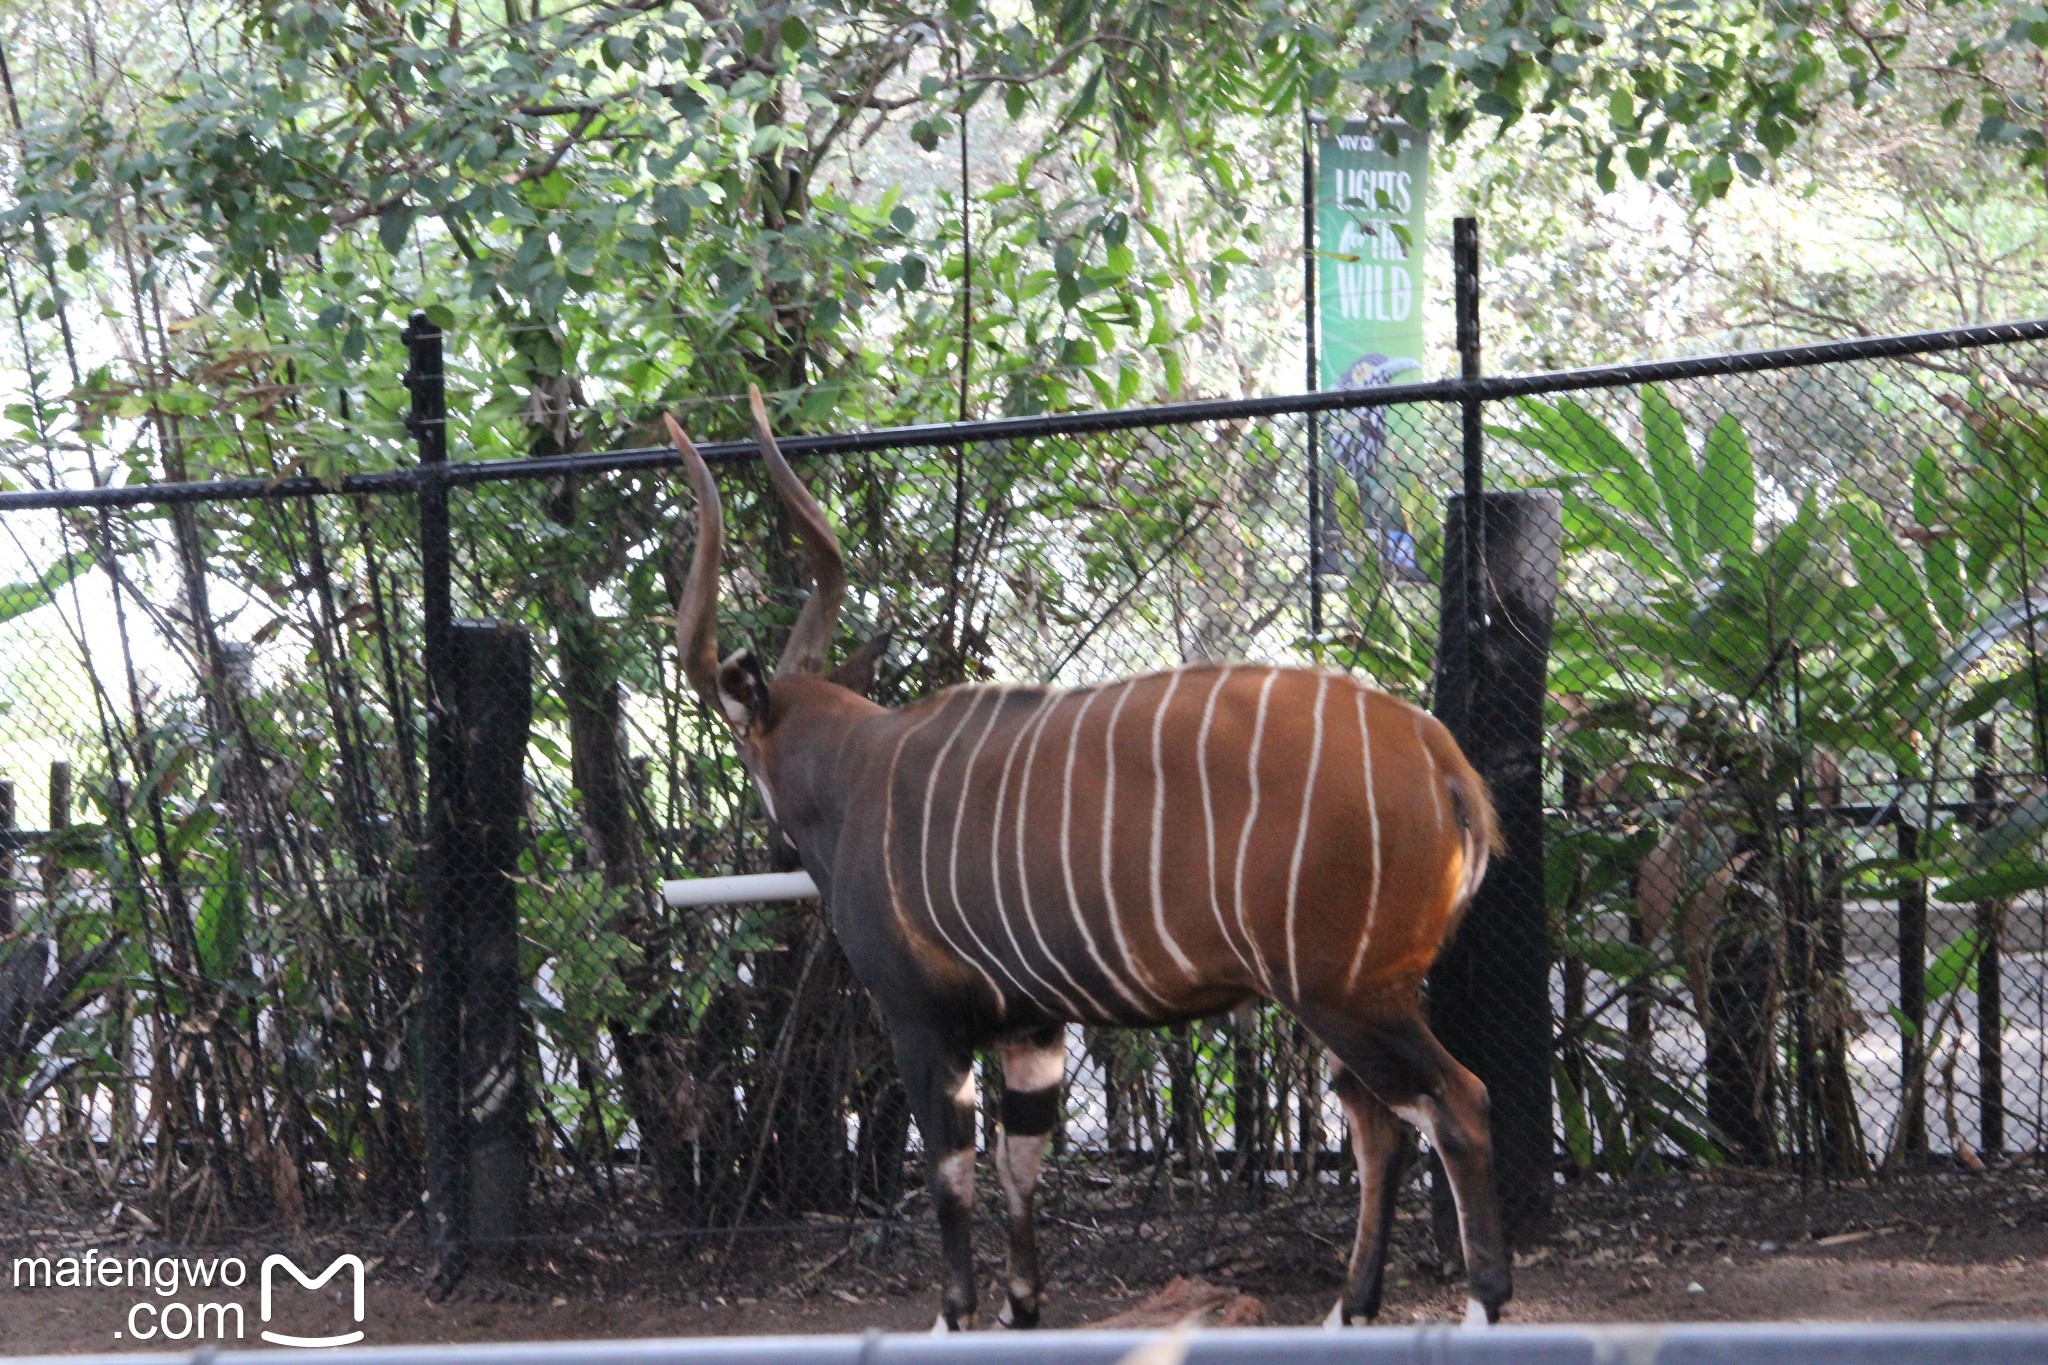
[1369,239]
[1371,186]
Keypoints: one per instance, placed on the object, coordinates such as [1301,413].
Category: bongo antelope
[1000,861]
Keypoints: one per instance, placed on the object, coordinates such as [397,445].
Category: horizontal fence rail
[1489,388]
[1856,1344]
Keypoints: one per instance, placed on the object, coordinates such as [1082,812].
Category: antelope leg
[1401,1063]
[1032,1071]
[939,1079]
[1381,1148]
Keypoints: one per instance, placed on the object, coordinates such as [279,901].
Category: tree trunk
[1742,985]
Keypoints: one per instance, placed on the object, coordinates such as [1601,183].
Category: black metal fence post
[1489,995]
[1912,1137]
[1312,381]
[440,956]
[1990,917]
[1471,417]
[7,847]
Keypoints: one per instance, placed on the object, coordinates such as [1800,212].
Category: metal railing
[1695,1344]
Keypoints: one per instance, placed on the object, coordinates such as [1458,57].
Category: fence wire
[1792,783]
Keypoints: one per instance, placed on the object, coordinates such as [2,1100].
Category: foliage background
[218,215]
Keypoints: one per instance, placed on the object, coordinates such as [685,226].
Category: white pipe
[758,886]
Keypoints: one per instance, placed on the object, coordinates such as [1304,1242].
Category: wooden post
[493,712]
[60,819]
[1489,995]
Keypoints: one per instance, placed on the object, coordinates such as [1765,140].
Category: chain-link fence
[278,946]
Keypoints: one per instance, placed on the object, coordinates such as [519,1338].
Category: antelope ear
[856,673]
[743,692]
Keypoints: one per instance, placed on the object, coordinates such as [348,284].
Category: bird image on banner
[1357,441]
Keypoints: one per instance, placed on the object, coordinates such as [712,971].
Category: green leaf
[1578,1137]
[1987,696]
[1581,443]
[1788,560]
[1973,650]
[1954,968]
[221,929]
[1590,434]
[1887,571]
[2016,830]
[393,226]
[1938,552]
[1499,106]
[2015,880]
[1672,467]
[1622,961]
[1727,501]
[19,599]
[1603,171]
[1611,530]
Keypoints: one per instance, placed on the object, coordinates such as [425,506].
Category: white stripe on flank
[1024,868]
[1209,817]
[1251,815]
[1066,808]
[889,817]
[1066,850]
[1436,786]
[1308,791]
[1046,704]
[1372,811]
[953,855]
[1180,958]
[1138,974]
[924,846]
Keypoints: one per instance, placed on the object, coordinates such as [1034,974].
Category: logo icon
[351,1263]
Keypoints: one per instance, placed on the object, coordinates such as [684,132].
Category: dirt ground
[1692,1248]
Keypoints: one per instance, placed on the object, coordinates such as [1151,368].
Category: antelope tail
[1472,807]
